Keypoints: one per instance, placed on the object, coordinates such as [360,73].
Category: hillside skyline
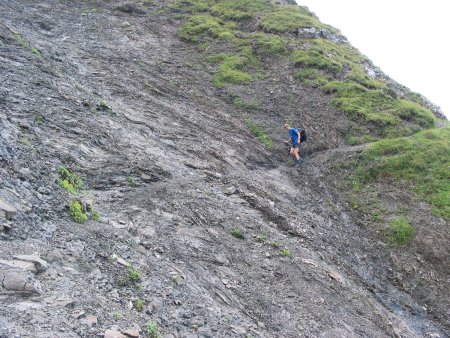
[403,56]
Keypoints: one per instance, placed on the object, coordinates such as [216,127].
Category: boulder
[18,281]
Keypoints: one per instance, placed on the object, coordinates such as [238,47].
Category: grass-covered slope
[423,160]
[252,31]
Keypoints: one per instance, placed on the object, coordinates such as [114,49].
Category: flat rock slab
[20,264]
[7,211]
[114,334]
[18,281]
[132,332]
[38,262]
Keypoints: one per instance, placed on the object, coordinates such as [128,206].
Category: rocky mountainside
[146,191]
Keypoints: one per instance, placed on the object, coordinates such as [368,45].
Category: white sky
[407,40]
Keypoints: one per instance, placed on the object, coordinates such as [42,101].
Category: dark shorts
[295,145]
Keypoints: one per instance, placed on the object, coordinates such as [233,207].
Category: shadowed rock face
[215,234]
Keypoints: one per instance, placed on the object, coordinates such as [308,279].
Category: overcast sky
[407,40]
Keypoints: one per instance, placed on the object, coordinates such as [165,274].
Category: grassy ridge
[422,159]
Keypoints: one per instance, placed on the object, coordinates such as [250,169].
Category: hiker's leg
[296,153]
[292,151]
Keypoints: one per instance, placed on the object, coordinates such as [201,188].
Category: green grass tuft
[316,59]
[237,233]
[231,69]
[77,213]
[139,305]
[198,27]
[259,132]
[288,19]
[400,232]
[69,181]
[240,10]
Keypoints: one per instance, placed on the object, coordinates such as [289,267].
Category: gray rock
[113,334]
[231,191]
[7,211]
[221,259]
[132,332]
[20,264]
[90,320]
[18,281]
[39,263]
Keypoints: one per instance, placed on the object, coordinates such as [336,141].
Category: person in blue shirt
[294,139]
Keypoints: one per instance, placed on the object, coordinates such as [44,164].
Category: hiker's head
[286,126]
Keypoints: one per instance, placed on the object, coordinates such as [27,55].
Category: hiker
[295,140]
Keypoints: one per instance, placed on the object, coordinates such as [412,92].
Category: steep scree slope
[108,90]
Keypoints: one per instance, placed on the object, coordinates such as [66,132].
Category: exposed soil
[108,90]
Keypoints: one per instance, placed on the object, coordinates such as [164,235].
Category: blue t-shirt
[293,133]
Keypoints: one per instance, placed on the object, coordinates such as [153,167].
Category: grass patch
[240,10]
[262,238]
[77,212]
[139,305]
[69,181]
[131,180]
[259,132]
[400,232]
[239,102]
[198,27]
[313,77]
[232,67]
[316,59]
[393,117]
[132,276]
[267,44]
[422,159]
[237,233]
[288,19]
[285,252]
[275,244]
[152,330]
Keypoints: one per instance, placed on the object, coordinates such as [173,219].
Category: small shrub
[131,181]
[152,330]
[275,244]
[95,215]
[139,305]
[77,213]
[400,232]
[285,252]
[116,316]
[132,276]
[238,233]
[262,238]
[69,181]
[103,105]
